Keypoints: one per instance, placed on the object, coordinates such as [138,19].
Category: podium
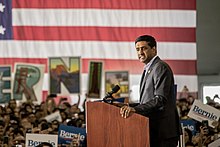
[106,127]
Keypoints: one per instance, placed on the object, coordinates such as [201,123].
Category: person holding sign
[157,96]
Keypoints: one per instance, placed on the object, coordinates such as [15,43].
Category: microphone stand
[108,99]
[111,99]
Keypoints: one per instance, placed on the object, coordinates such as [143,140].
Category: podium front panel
[106,127]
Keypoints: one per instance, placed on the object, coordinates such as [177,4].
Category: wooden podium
[106,127]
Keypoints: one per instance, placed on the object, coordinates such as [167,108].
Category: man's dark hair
[151,40]
[45,126]
[45,144]
[2,123]
[52,95]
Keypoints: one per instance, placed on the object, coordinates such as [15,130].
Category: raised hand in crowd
[203,138]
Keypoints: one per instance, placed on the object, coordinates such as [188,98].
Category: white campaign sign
[200,112]
[54,116]
[216,143]
[33,140]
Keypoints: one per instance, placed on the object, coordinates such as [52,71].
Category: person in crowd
[50,104]
[54,127]
[210,101]
[2,126]
[12,104]
[19,138]
[216,130]
[2,111]
[45,128]
[64,116]
[37,129]
[216,98]
[204,137]
[74,110]
[157,100]
[185,92]
[9,110]
[188,138]
[39,114]
[32,119]
[75,141]
[64,104]
[190,101]
[26,124]
[183,106]
[28,108]
[71,122]
[81,116]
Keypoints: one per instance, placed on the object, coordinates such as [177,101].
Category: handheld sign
[200,112]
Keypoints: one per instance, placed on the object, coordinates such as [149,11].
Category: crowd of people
[18,119]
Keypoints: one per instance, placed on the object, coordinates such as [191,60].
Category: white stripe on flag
[101,17]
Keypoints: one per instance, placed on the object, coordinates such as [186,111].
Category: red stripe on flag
[107,4]
[180,67]
[187,67]
[102,33]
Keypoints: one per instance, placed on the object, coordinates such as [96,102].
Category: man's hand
[126,110]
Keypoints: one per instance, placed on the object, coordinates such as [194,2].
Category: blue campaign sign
[189,124]
[66,134]
[120,100]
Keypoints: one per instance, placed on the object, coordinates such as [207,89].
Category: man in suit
[157,96]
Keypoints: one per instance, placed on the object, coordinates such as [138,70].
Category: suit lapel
[143,82]
[144,79]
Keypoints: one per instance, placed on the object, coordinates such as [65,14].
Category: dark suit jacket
[157,101]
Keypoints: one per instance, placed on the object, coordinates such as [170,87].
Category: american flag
[104,30]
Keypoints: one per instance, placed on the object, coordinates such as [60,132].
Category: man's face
[12,104]
[144,51]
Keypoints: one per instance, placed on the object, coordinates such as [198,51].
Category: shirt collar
[147,66]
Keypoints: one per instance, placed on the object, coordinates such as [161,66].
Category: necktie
[142,77]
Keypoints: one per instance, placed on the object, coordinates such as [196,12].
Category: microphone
[109,94]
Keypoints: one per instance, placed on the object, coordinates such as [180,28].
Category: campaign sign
[215,143]
[189,124]
[66,134]
[54,116]
[33,140]
[120,100]
[200,112]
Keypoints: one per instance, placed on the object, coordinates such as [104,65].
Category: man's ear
[154,48]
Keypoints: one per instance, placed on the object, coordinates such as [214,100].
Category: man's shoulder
[162,65]
[160,62]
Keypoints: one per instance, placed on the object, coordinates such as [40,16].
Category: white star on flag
[2,7]
[2,30]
